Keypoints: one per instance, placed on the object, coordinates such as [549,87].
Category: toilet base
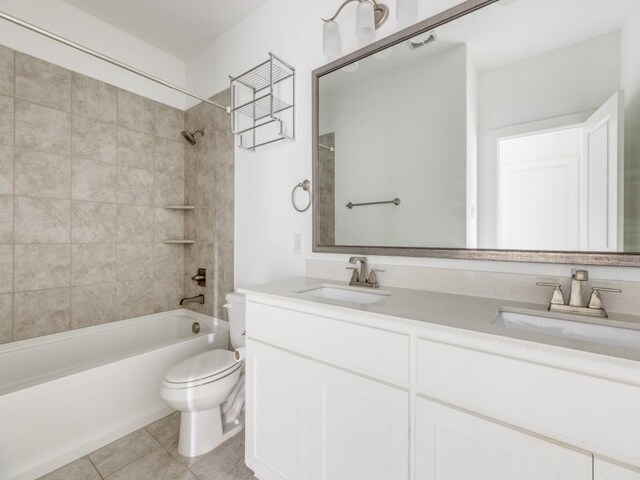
[201,432]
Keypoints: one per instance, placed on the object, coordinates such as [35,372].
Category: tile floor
[151,453]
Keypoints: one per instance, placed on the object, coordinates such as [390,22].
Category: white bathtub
[65,395]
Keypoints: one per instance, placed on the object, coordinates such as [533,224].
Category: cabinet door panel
[359,427]
[610,471]
[277,418]
[453,445]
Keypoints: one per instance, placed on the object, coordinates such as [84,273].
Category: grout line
[94,466]
[13,227]
[131,462]
[118,307]
[71,123]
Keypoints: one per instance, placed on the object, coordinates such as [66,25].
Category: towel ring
[306,186]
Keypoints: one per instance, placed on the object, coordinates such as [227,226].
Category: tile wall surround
[85,169]
[327,189]
[209,186]
[506,286]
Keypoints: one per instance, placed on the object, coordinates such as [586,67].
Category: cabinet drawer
[370,351]
[588,412]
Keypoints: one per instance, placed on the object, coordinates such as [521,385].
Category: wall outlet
[297,244]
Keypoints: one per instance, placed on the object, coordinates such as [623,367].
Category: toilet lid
[202,366]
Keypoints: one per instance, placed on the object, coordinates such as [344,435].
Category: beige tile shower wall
[85,169]
[209,185]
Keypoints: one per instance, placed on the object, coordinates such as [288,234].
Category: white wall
[265,220]
[569,80]
[382,154]
[69,22]
[630,83]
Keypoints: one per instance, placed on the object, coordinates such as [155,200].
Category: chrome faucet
[577,303]
[363,278]
[197,299]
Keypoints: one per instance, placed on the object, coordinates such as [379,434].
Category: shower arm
[113,61]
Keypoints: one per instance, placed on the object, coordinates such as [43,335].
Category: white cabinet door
[277,413]
[453,445]
[609,471]
[359,427]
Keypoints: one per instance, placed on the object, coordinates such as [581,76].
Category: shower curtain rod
[113,61]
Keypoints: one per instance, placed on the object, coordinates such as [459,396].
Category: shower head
[191,136]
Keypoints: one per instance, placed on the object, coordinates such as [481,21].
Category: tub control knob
[201,277]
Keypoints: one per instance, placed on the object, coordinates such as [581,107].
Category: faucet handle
[355,276]
[596,299]
[557,298]
[372,276]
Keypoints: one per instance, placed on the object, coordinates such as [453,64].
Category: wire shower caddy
[263,104]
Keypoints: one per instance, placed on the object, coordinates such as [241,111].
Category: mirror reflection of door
[539,190]
[560,189]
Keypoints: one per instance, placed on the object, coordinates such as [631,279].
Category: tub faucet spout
[197,299]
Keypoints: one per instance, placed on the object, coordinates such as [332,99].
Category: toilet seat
[201,369]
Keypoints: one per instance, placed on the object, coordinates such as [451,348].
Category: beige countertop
[468,313]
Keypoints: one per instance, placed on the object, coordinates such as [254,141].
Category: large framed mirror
[501,130]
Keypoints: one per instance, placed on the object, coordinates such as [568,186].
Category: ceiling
[179,27]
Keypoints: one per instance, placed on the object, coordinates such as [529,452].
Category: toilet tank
[236,315]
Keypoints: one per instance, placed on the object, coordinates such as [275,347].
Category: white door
[359,427]
[277,426]
[610,471]
[602,179]
[539,190]
[453,445]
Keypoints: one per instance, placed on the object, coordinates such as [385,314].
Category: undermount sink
[575,330]
[345,294]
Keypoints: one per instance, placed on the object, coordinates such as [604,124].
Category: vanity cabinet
[336,394]
[452,445]
[306,420]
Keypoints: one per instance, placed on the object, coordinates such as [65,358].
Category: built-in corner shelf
[180,242]
[179,207]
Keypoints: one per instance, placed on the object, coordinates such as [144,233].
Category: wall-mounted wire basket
[263,104]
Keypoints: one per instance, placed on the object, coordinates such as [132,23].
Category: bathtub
[64,395]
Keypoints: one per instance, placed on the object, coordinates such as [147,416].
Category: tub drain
[195,328]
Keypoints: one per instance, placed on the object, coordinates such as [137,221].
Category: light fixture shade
[331,42]
[352,67]
[406,10]
[365,21]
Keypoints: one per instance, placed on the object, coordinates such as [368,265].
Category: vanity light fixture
[352,67]
[370,15]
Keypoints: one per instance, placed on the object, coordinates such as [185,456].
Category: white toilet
[208,389]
